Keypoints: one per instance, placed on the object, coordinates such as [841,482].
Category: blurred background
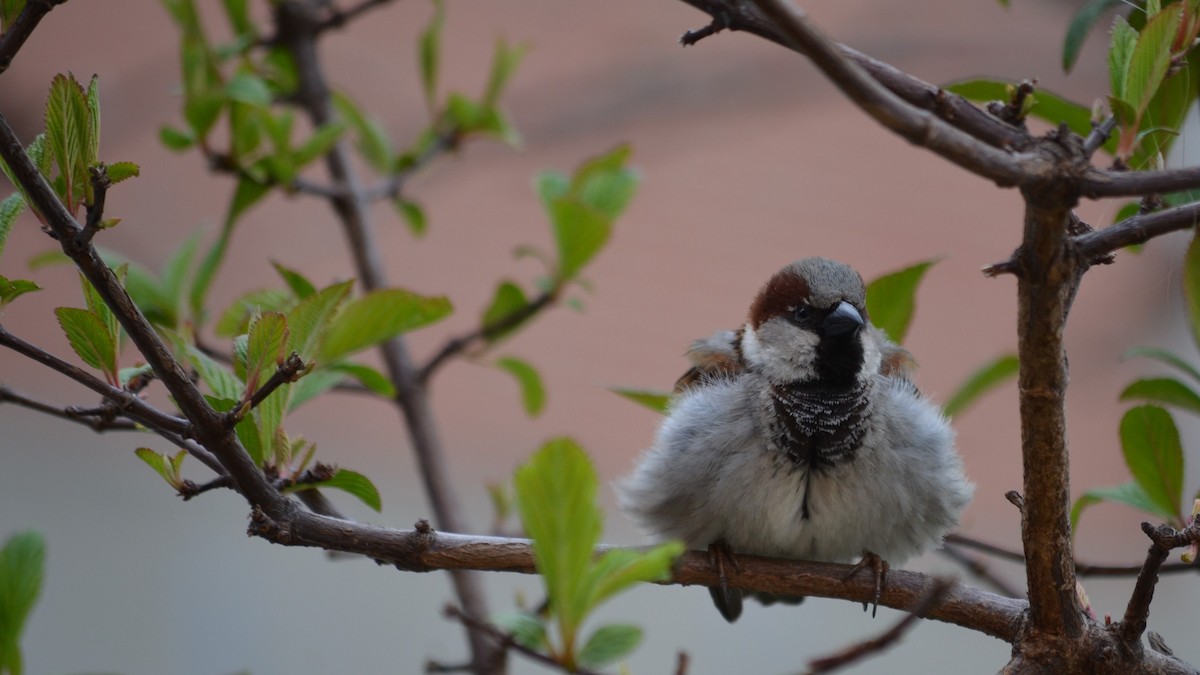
[749,160]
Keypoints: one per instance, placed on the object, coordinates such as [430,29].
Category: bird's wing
[715,357]
[896,362]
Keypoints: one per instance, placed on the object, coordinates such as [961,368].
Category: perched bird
[800,436]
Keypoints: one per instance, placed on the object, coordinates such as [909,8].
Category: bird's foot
[880,567]
[727,600]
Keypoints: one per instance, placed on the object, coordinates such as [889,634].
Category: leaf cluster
[22,563]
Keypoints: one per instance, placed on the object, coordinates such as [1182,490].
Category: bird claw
[880,567]
[728,601]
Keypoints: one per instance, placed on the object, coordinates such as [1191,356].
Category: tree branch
[980,569]
[918,126]
[95,212]
[505,641]
[286,372]
[1083,569]
[16,35]
[1096,183]
[1138,229]
[297,29]
[462,343]
[1163,539]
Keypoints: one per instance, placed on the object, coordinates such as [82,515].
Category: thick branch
[424,550]
[1106,183]
[916,125]
[16,35]
[1138,229]
[1163,540]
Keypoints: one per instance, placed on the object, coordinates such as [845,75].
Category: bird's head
[809,324]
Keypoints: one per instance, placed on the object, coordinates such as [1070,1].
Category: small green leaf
[525,629]
[1130,494]
[1150,59]
[236,319]
[609,643]
[175,274]
[986,378]
[1154,455]
[413,214]
[430,53]
[22,566]
[10,208]
[89,338]
[220,380]
[238,13]
[508,300]
[67,128]
[892,298]
[367,376]
[311,386]
[533,394]
[580,234]
[247,194]
[551,186]
[92,155]
[246,87]
[505,60]
[310,320]
[379,316]
[300,286]
[353,482]
[12,289]
[264,350]
[319,144]
[1124,39]
[370,139]
[119,171]
[619,569]
[1166,357]
[1164,390]
[9,11]
[658,401]
[160,464]
[1191,285]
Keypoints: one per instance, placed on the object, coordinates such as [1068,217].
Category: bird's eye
[801,314]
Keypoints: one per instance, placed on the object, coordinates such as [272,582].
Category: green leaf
[247,194]
[1130,494]
[413,214]
[175,275]
[1164,390]
[311,386]
[119,171]
[236,319]
[1154,455]
[246,87]
[22,566]
[1124,39]
[160,464]
[12,289]
[264,350]
[658,401]
[525,629]
[92,153]
[370,139]
[580,233]
[300,286]
[892,298]
[619,569]
[551,186]
[367,376]
[533,394]
[379,316]
[9,11]
[582,211]
[505,60]
[556,497]
[220,380]
[1191,285]
[1047,105]
[89,338]
[310,320]
[609,643]
[430,52]
[320,143]
[353,482]
[1166,357]
[246,429]
[126,375]
[604,183]
[1150,59]
[508,300]
[986,378]
[67,127]
[238,13]
[10,208]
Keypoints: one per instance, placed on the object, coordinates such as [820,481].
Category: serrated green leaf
[505,60]
[1150,59]
[320,143]
[1047,105]
[119,171]
[22,566]
[264,348]
[10,208]
[1191,285]
[1124,39]
[430,53]
[609,643]
[175,273]
[310,320]
[379,316]
[1154,455]
[658,401]
[370,139]
[1164,114]
[236,319]
[353,482]
[268,416]
[986,378]
[368,377]
[892,299]
[1130,494]
[413,214]
[300,286]
[1166,357]
[12,289]
[312,385]
[157,462]
[97,306]
[92,148]
[89,337]
[533,393]
[220,380]
[1081,25]
[67,125]
[508,300]
[525,629]
[1163,390]
[556,498]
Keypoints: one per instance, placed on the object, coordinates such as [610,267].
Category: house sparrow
[800,436]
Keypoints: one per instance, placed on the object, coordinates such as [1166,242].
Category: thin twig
[1099,136]
[980,569]
[95,211]
[1083,569]
[188,489]
[462,343]
[505,641]
[1138,230]
[857,652]
[1163,539]
[340,17]
[288,371]
[22,28]
[224,163]
[94,422]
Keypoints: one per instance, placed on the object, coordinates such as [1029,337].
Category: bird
[801,436]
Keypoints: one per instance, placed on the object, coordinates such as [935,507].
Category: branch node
[1015,499]
[719,23]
